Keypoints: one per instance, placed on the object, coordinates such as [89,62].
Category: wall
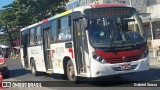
[153,2]
[154,10]
[140,5]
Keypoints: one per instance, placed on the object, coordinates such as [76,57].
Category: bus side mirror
[144,15]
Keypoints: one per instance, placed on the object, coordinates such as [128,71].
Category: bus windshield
[118,28]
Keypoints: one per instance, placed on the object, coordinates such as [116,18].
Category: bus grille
[120,60]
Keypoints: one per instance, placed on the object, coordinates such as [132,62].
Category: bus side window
[22,36]
[32,36]
[54,31]
[68,33]
[38,37]
[69,36]
[59,32]
[1,53]
[64,33]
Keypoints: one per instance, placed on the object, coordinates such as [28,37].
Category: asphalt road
[17,73]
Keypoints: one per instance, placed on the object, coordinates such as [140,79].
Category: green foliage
[25,12]
[22,13]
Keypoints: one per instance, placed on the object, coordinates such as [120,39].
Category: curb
[14,58]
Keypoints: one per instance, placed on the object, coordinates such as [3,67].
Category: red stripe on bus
[53,51]
[117,57]
[45,20]
[71,51]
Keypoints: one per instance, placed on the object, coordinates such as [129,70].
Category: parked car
[3,66]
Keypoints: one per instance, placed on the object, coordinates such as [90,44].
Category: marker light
[99,58]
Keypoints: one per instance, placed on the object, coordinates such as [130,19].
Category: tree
[22,13]
[7,22]
[31,11]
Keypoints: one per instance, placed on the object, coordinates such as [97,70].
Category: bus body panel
[36,53]
[98,69]
[58,53]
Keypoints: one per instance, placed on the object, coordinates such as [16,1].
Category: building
[72,4]
[76,3]
[153,8]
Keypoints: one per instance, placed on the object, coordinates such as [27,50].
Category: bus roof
[108,5]
[73,10]
[48,19]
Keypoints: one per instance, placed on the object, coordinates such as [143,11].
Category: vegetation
[22,13]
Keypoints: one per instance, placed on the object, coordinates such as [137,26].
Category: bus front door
[25,52]
[46,47]
[79,47]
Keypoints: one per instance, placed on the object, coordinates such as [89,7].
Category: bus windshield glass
[114,27]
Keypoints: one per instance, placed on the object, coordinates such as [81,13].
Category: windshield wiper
[128,38]
[111,36]
[114,35]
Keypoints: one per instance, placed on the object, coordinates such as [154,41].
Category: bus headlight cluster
[145,54]
[99,58]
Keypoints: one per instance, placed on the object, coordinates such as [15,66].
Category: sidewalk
[153,61]
[15,57]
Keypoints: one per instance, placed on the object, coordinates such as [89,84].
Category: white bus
[88,41]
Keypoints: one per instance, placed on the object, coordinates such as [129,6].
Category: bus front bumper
[98,69]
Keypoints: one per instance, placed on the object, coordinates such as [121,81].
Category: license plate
[125,66]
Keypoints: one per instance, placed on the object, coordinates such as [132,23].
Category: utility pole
[130,3]
[154,54]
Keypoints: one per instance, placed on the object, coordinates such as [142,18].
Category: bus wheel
[33,68]
[70,72]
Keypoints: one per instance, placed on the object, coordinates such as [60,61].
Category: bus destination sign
[110,12]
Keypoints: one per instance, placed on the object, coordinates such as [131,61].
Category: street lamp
[151,27]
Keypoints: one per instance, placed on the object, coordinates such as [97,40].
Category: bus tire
[71,73]
[33,68]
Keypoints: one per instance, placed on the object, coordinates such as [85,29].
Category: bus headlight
[99,58]
[145,54]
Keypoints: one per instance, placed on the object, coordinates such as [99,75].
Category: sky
[5,2]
